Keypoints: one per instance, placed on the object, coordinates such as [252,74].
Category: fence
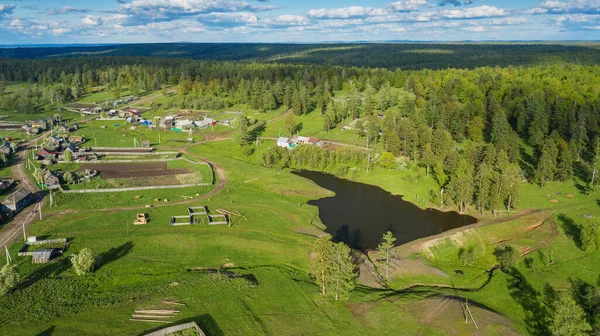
[180,327]
[84,191]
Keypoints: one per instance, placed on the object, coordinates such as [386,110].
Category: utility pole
[158,136]
[24,234]
[8,258]
[40,210]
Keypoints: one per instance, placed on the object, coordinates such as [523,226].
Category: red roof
[313,140]
[44,152]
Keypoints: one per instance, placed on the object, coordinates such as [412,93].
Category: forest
[404,55]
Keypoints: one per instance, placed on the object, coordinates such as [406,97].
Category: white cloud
[566,7]
[406,5]
[6,9]
[474,12]
[340,13]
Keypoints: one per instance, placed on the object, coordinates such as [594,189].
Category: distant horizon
[285,21]
[301,43]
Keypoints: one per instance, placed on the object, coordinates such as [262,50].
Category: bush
[506,256]
[467,255]
[9,278]
[247,151]
[83,262]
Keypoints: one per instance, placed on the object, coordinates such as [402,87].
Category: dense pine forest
[468,128]
[407,56]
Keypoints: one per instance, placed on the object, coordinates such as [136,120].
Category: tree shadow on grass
[571,228]
[258,130]
[113,254]
[537,316]
[585,296]
[51,269]
[47,332]
[206,322]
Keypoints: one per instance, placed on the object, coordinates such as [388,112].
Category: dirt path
[13,230]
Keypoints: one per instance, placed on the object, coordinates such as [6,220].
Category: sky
[137,21]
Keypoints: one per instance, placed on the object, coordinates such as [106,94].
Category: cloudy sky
[116,21]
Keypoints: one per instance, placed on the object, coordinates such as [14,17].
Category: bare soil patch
[119,170]
[569,195]
[447,313]
[554,200]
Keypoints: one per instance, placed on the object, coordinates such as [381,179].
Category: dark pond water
[359,214]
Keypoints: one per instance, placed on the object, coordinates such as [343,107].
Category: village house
[62,129]
[5,184]
[45,154]
[285,142]
[76,139]
[5,148]
[55,140]
[15,202]
[302,140]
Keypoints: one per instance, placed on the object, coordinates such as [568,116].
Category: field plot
[124,170]
[133,175]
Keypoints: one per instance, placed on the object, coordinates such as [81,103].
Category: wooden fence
[180,327]
[84,191]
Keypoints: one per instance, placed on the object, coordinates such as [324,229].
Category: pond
[359,214]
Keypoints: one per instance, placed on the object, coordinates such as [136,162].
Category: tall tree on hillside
[512,179]
[290,124]
[483,185]
[243,134]
[569,319]
[342,271]
[461,185]
[428,158]
[320,266]
[384,247]
[546,168]
[564,164]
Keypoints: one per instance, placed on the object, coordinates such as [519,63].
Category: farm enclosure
[125,170]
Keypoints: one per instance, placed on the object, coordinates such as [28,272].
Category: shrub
[83,262]
[9,278]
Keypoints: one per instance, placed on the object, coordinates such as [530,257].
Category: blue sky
[130,21]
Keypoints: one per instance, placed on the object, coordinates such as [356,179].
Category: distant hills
[386,55]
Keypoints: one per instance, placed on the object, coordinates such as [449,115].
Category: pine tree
[569,319]
[342,271]
[320,266]
[290,124]
[243,134]
[483,185]
[428,158]
[461,185]
[546,168]
[564,165]
[384,247]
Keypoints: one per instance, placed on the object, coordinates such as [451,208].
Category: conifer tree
[342,271]
[384,247]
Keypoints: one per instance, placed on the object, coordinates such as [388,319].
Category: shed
[42,256]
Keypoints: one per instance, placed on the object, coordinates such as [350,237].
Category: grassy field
[150,266]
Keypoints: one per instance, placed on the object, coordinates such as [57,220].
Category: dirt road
[13,230]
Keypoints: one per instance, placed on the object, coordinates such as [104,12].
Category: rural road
[13,230]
